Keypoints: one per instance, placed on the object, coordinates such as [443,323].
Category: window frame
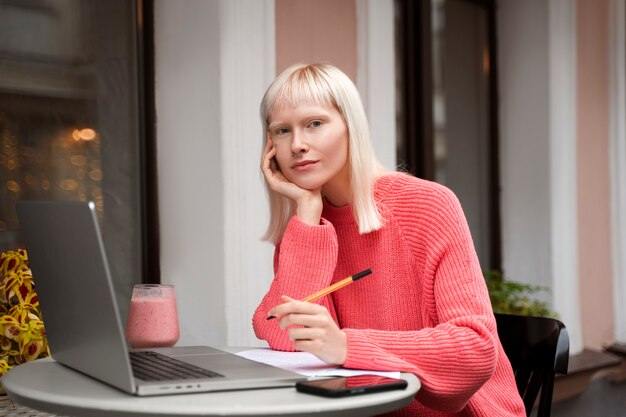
[415,150]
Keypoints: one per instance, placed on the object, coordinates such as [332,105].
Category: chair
[538,348]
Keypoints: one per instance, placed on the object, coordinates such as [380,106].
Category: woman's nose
[298,144]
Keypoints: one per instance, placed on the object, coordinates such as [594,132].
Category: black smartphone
[350,385]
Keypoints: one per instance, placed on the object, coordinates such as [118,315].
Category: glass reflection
[69,120]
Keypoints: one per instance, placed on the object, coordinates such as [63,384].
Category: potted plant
[511,297]
[22,337]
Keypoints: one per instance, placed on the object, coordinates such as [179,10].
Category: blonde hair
[326,84]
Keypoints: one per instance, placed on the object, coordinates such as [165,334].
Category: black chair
[538,348]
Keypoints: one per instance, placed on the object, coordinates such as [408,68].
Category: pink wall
[593,172]
[309,31]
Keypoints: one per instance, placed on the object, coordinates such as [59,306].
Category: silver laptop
[82,321]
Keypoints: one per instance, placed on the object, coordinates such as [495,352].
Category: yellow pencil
[333,288]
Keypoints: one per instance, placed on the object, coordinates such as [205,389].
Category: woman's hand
[308,202]
[312,330]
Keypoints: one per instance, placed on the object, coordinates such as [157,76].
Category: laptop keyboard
[152,366]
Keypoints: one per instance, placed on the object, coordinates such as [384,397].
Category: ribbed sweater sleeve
[304,263]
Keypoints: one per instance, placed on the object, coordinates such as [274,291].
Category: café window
[71,120]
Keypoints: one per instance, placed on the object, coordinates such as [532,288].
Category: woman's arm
[304,263]
[456,351]
[452,360]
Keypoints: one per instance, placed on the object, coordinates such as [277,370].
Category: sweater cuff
[356,353]
[309,250]
[363,354]
[304,235]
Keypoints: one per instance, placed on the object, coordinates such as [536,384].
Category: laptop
[83,326]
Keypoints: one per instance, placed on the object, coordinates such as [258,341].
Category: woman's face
[311,143]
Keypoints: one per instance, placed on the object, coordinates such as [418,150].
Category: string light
[65,165]
[85,134]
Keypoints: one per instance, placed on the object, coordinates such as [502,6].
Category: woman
[335,212]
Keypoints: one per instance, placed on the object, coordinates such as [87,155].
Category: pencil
[333,288]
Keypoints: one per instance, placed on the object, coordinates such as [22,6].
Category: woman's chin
[307,185]
[310,187]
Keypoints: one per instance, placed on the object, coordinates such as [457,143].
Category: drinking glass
[152,316]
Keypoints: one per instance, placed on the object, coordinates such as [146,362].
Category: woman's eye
[281,131]
[315,123]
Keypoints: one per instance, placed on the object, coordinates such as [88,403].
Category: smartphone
[350,385]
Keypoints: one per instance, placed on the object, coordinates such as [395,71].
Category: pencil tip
[361,274]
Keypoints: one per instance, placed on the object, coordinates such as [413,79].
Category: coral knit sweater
[425,308]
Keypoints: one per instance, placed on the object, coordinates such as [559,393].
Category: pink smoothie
[152,322]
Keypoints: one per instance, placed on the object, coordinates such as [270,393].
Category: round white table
[49,386]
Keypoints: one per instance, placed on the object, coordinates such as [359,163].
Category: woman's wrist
[309,210]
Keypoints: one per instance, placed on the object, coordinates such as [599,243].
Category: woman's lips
[303,165]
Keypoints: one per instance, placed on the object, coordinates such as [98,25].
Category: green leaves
[511,297]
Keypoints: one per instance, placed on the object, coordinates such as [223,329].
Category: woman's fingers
[268,158]
[318,318]
[312,329]
[291,306]
[274,177]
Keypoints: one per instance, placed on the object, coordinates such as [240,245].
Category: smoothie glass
[152,316]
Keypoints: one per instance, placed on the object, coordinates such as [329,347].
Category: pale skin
[306,159]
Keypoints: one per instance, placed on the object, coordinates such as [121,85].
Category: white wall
[536,54]
[248,66]
[524,140]
[562,38]
[376,74]
[214,60]
[189,158]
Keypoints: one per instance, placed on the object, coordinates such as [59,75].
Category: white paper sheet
[306,364]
